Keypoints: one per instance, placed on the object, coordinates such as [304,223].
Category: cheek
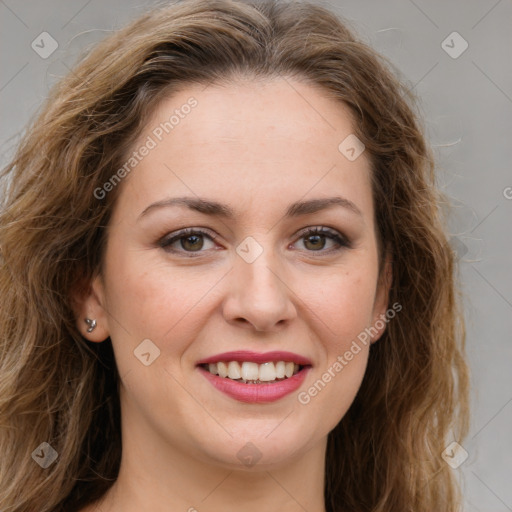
[149,298]
[344,306]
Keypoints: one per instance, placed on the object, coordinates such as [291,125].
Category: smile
[255,378]
[253,373]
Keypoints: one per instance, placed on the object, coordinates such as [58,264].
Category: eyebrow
[217,209]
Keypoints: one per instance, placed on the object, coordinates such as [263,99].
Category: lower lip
[256,393]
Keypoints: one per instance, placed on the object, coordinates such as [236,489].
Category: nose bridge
[261,278]
[258,292]
[258,268]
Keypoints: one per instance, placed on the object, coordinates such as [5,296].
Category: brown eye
[192,242]
[186,241]
[315,240]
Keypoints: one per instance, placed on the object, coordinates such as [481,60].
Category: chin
[263,447]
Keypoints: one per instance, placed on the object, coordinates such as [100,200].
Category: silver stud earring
[91,324]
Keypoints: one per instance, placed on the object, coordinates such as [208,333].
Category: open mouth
[247,372]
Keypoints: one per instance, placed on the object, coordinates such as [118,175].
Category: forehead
[253,112]
[249,142]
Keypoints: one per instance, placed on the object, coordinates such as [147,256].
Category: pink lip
[257,357]
[256,393]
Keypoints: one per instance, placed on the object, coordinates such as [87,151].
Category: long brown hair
[55,387]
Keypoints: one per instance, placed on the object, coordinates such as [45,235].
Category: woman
[225,279]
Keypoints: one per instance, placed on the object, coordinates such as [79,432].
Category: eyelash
[343,242]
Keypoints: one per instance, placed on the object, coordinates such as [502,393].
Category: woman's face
[250,282]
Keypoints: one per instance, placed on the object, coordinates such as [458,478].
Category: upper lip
[257,357]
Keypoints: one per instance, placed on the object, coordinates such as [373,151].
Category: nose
[259,297]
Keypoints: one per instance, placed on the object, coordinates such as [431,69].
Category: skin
[256,147]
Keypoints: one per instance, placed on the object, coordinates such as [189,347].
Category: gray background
[467,107]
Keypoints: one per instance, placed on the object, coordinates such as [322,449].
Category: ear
[379,318]
[88,301]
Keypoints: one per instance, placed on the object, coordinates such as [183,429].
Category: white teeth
[267,372]
[280,369]
[253,372]
[250,371]
[222,368]
[234,370]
